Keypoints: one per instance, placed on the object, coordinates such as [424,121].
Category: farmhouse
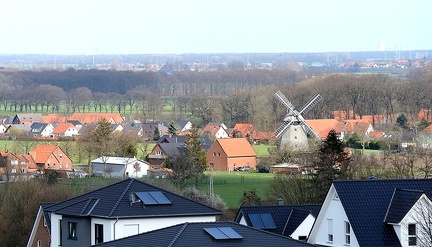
[227,154]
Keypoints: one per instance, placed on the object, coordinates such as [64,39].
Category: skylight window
[262,221]
[223,233]
[153,198]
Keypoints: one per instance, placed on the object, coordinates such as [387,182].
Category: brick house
[51,157]
[227,154]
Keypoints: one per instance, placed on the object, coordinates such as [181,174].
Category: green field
[262,149]
[230,186]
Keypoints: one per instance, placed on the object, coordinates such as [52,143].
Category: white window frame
[330,236]
[347,227]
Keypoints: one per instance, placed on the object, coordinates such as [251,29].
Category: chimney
[279,201]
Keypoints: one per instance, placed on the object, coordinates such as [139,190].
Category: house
[13,167]
[64,130]
[374,212]
[206,234]
[163,151]
[215,130]
[42,130]
[13,129]
[243,130]
[227,154]
[346,127]
[170,147]
[119,167]
[93,118]
[54,118]
[294,221]
[51,157]
[27,118]
[183,125]
[3,128]
[149,129]
[122,209]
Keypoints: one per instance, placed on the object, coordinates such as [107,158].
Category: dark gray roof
[282,215]
[401,203]
[46,215]
[113,201]
[37,128]
[366,203]
[193,234]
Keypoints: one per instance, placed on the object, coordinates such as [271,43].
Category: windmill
[294,130]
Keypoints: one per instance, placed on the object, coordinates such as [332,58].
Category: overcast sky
[212,26]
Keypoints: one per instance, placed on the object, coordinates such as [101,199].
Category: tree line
[226,96]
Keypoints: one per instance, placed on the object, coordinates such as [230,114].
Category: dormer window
[412,235]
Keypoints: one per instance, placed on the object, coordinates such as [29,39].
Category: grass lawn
[262,150]
[230,186]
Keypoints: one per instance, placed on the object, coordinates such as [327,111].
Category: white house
[3,128]
[119,210]
[119,167]
[375,212]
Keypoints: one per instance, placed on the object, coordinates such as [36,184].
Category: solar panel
[216,233]
[222,233]
[231,233]
[256,221]
[268,221]
[160,197]
[146,198]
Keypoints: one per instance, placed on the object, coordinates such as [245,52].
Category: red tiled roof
[263,135]
[54,118]
[62,128]
[96,117]
[244,128]
[236,147]
[322,126]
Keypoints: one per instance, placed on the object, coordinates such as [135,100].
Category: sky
[212,26]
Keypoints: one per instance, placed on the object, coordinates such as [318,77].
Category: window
[329,230]
[214,154]
[61,156]
[347,233]
[13,171]
[158,152]
[412,235]
[60,233]
[218,154]
[98,233]
[38,243]
[72,227]
[61,166]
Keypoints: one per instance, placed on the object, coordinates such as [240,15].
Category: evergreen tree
[195,154]
[402,121]
[156,134]
[332,163]
[172,130]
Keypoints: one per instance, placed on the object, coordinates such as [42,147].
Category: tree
[250,198]
[332,162]
[195,154]
[172,130]
[402,121]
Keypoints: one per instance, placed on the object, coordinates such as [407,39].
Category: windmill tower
[294,130]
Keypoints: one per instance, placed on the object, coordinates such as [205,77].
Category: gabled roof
[366,203]
[244,129]
[286,217]
[171,149]
[358,126]
[322,126]
[401,203]
[236,147]
[96,117]
[62,128]
[54,118]
[113,201]
[42,152]
[29,117]
[195,234]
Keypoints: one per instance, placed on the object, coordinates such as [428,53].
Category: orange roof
[263,135]
[425,114]
[322,126]
[62,128]
[359,126]
[42,152]
[84,118]
[211,129]
[236,147]
[244,128]
[53,118]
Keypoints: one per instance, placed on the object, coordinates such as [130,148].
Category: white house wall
[55,230]
[243,221]
[416,215]
[331,209]
[304,228]
[150,224]
[130,170]
[221,133]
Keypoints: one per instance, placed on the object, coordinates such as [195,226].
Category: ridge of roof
[121,197]
[178,234]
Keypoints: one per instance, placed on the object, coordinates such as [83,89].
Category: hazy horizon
[206,27]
